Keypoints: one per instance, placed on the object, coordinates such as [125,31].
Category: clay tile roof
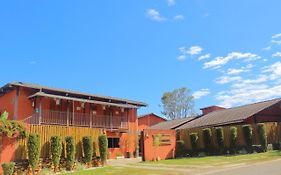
[171,124]
[231,115]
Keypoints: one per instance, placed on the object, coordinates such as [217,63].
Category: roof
[144,115]
[171,124]
[70,93]
[230,116]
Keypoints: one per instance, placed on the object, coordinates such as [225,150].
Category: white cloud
[219,61]
[203,57]
[276,42]
[201,93]
[194,50]
[267,48]
[233,71]
[171,2]
[178,17]
[154,15]
[274,70]
[181,57]
[33,62]
[276,36]
[227,79]
[277,54]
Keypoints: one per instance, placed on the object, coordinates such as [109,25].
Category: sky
[228,53]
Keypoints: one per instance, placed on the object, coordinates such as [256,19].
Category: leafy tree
[88,149]
[220,139]
[233,140]
[70,152]
[262,136]
[56,150]
[103,147]
[8,168]
[207,138]
[33,146]
[248,135]
[178,104]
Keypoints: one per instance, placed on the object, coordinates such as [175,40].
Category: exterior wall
[150,152]
[7,103]
[8,147]
[149,120]
[210,109]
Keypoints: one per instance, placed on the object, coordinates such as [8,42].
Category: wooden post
[72,112]
[90,114]
[67,113]
[40,110]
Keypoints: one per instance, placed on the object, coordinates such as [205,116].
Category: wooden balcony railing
[49,117]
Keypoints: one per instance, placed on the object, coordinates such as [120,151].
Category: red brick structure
[147,120]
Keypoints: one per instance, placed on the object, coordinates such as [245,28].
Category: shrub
[70,152]
[220,139]
[248,135]
[262,136]
[8,168]
[56,150]
[180,150]
[194,142]
[207,138]
[103,146]
[88,149]
[233,140]
[33,146]
[178,134]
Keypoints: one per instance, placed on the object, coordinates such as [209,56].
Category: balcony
[60,118]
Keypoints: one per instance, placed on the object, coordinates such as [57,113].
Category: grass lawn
[183,165]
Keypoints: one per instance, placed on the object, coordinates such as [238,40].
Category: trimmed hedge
[248,136]
[33,146]
[262,136]
[220,139]
[103,147]
[194,142]
[207,138]
[233,140]
[8,168]
[56,150]
[70,152]
[180,150]
[88,149]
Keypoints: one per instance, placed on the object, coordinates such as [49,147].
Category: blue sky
[227,52]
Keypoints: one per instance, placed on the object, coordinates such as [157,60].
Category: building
[147,120]
[265,111]
[41,105]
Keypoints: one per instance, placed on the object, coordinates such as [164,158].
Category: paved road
[265,168]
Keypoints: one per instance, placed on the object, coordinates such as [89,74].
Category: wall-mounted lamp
[94,112]
[82,105]
[103,107]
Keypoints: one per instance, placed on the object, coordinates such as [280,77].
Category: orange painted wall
[7,103]
[149,120]
[150,152]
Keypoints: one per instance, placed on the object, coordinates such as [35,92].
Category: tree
[178,104]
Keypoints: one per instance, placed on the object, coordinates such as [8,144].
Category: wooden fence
[273,131]
[46,131]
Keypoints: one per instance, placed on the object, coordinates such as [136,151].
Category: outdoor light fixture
[33,104]
[122,109]
[103,108]
[82,105]
[57,101]
[94,112]
[116,112]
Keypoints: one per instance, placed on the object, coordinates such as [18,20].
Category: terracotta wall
[151,152]
[7,103]
[149,120]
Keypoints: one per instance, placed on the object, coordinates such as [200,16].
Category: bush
[248,135]
[88,149]
[103,146]
[56,150]
[207,138]
[180,150]
[70,152]
[33,146]
[220,139]
[8,168]
[262,136]
[233,140]
[194,142]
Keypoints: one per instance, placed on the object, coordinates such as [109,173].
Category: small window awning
[43,94]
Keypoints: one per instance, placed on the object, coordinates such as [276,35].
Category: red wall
[150,152]
[149,120]
[7,103]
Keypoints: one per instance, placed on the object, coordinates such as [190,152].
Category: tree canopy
[178,104]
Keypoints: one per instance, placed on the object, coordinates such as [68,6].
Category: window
[113,142]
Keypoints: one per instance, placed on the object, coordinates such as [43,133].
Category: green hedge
[33,146]
[180,150]
[70,152]
[220,139]
[194,142]
[103,147]
[207,138]
[262,136]
[56,150]
[8,168]
[248,136]
[233,140]
[88,149]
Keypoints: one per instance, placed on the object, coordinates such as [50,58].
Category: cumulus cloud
[276,36]
[181,57]
[227,79]
[220,61]
[267,48]
[178,17]
[171,2]
[203,57]
[234,71]
[154,15]
[277,54]
[273,70]
[201,93]
[193,50]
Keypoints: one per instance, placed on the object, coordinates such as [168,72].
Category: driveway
[265,168]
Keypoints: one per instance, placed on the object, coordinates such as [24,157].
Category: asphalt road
[265,168]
